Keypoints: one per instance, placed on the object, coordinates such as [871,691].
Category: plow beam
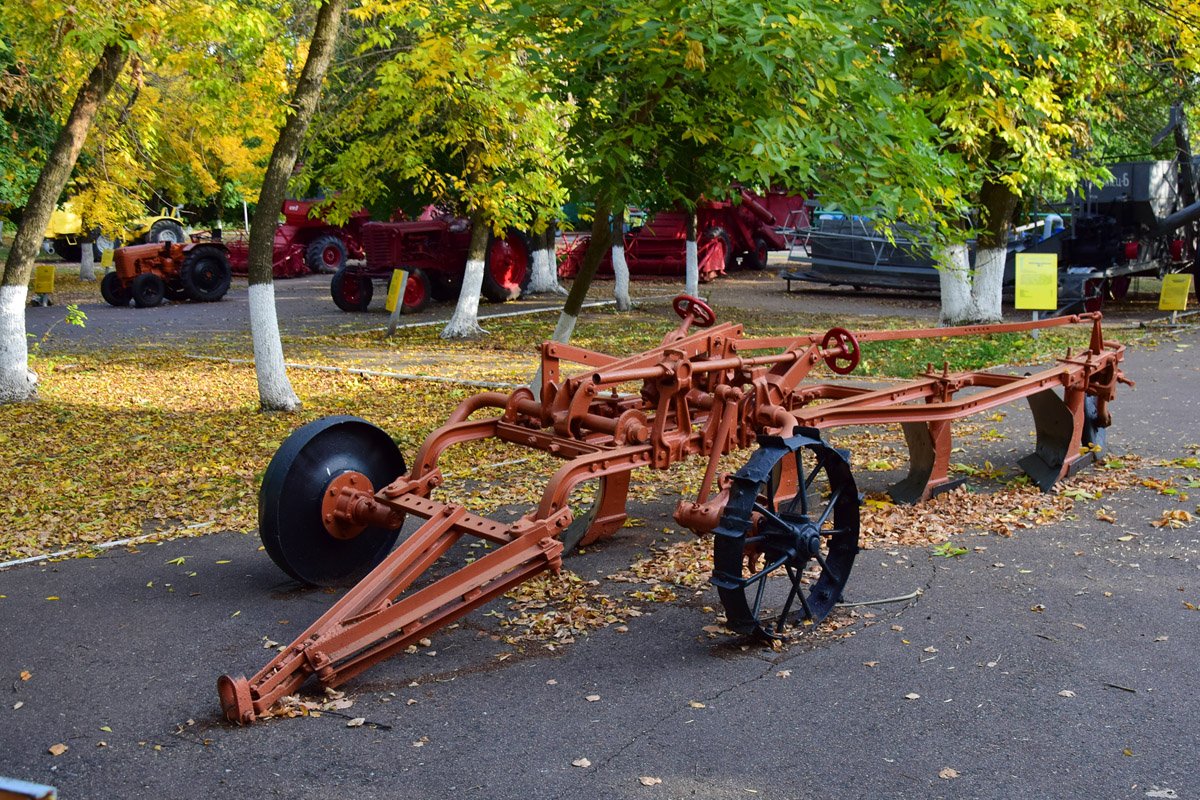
[371,621]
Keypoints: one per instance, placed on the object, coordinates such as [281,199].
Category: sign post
[1037,283]
[395,298]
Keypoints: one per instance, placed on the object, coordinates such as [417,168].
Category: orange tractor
[151,273]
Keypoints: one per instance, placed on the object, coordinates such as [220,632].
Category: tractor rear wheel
[417,291]
[114,292]
[148,290]
[507,267]
[351,291]
[165,230]
[206,274]
[326,254]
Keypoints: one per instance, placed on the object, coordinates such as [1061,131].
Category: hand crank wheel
[289,502]
[788,536]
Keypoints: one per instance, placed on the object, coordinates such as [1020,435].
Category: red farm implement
[785,527]
[731,234]
[433,250]
[302,244]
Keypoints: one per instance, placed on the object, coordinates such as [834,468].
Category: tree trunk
[17,382]
[620,266]
[691,257]
[545,264]
[998,203]
[601,232]
[465,322]
[954,275]
[87,263]
[274,389]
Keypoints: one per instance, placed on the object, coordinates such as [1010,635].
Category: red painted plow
[785,525]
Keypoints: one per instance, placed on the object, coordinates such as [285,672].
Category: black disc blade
[289,503]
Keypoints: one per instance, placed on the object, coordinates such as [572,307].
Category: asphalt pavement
[1058,663]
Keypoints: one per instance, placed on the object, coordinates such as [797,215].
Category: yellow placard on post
[106,258]
[398,276]
[43,279]
[1037,281]
[1174,295]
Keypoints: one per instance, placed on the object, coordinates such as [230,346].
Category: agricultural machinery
[732,233]
[302,244]
[433,250]
[66,236]
[150,273]
[785,526]
[1139,223]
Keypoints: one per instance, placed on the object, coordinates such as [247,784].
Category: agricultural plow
[785,526]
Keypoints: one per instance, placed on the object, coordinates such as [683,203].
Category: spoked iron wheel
[788,536]
[321,455]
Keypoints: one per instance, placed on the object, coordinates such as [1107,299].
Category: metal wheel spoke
[833,498]
[825,567]
[771,515]
[762,585]
[794,576]
[762,574]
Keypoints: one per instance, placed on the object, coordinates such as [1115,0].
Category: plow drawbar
[785,526]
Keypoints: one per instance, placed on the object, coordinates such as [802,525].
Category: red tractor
[433,250]
[150,273]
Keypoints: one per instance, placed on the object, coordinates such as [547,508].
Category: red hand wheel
[701,312]
[844,358]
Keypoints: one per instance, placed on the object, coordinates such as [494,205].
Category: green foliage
[445,117]
[674,99]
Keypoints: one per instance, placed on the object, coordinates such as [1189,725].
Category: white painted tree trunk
[465,322]
[989,283]
[620,276]
[87,262]
[545,266]
[958,303]
[692,265]
[274,390]
[17,382]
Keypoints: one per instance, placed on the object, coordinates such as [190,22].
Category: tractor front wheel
[417,291]
[351,291]
[148,290]
[114,292]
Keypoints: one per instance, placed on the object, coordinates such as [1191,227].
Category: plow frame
[704,392]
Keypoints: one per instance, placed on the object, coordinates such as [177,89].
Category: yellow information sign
[1174,295]
[43,279]
[394,288]
[1037,281]
[106,258]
